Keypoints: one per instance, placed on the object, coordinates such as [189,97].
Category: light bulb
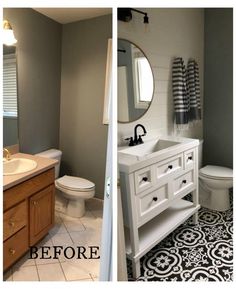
[8,34]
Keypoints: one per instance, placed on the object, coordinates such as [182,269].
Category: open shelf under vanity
[160,227]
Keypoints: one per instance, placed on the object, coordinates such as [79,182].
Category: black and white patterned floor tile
[202,252]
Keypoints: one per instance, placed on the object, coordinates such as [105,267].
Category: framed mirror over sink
[10,97]
[135,82]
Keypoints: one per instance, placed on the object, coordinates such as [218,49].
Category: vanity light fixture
[8,34]
[125,14]
[122,50]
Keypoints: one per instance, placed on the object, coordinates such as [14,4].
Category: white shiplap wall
[172,32]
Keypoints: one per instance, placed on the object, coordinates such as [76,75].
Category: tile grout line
[73,231]
[60,261]
[63,271]
[81,222]
[37,271]
[48,262]
[68,233]
[76,231]
[91,276]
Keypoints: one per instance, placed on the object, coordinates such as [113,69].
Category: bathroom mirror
[10,101]
[135,82]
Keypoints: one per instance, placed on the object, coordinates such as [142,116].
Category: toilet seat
[75,184]
[216,172]
[75,195]
[75,187]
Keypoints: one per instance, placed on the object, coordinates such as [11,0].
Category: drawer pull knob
[155,199]
[145,179]
[12,251]
[35,203]
[170,167]
[190,158]
[184,181]
[11,223]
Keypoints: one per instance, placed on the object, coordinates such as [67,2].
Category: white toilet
[214,185]
[71,191]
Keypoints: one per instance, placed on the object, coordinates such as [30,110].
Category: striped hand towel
[193,88]
[181,102]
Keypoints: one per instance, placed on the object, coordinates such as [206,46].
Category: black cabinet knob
[184,181]
[155,199]
[190,158]
[170,167]
[145,179]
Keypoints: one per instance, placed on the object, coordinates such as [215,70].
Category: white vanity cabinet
[152,191]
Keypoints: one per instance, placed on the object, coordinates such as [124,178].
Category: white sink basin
[18,166]
[131,159]
[148,148]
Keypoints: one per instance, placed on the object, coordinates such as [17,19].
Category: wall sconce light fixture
[8,34]
[125,14]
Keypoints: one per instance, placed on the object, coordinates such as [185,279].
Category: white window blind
[9,85]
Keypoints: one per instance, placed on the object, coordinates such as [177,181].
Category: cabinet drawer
[15,247]
[22,191]
[189,158]
[143,179]
[183,182]
[168,167]
[14,219]
[149,204]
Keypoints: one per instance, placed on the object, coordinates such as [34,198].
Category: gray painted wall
[39,69]
[83,137]
[10,131]
[218,89]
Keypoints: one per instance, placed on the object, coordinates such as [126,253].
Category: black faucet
[137,138]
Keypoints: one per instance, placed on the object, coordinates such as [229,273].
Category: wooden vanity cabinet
[28,215]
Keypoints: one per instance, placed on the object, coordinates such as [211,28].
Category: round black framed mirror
[135,82]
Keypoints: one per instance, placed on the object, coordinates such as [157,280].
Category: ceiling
[67,15]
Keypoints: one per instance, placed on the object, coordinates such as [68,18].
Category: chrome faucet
[8,154]
[137,138]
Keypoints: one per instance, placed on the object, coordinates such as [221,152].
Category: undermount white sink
[18,166]
[149,147]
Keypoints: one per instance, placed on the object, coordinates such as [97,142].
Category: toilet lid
[216,172]
[75,183]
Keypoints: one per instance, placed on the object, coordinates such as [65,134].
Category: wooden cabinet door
[41,213]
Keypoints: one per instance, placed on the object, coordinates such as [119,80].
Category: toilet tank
[53,154]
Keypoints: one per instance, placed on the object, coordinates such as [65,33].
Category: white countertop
[129,163]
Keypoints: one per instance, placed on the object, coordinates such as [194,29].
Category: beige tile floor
[66,232]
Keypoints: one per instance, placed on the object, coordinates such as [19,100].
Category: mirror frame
[124,122]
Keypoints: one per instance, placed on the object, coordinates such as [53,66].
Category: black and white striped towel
[193,89]
[181,101]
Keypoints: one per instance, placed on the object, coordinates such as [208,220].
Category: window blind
[9,85]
